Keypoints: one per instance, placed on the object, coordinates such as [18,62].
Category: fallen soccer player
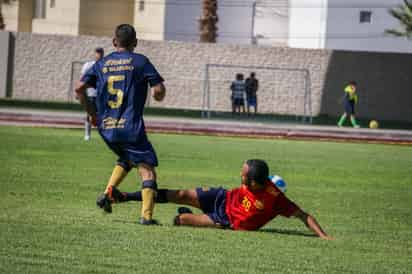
[249,207]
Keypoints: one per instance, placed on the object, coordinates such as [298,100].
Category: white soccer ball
[278,182]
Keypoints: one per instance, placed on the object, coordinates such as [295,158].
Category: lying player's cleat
[143,221]
[103,201]
[184,210]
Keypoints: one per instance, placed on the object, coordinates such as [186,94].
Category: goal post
[282,91]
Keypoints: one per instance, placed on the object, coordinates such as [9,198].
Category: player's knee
[183,195]
[147,173]
[125,165]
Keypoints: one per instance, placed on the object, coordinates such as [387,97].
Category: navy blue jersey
[121,80]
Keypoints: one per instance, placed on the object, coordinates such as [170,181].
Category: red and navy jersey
[249,210]
[121,80]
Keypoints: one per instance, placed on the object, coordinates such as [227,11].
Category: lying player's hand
[327,238]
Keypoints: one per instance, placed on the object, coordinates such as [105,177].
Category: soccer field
[361,194]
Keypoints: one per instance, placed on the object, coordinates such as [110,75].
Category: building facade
[355,25]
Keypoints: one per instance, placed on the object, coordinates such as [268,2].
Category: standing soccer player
[350,100]
[90,92]
[121,80]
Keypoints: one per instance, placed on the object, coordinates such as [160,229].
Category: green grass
[361,194]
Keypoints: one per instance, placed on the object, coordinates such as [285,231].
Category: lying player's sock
[119,173]
[161,196]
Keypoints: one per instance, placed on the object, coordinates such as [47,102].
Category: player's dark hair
[239,76]
[258,171]
[125,35]
[99,51]
[253,74]
[353,83]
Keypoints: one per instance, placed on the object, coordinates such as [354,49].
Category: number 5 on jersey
[113,91]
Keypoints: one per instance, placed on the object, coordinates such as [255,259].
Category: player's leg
[87,128]
[198,220]
[149,191]
[342,119]
[182,196]
[120,171]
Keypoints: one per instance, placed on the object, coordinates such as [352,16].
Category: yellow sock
[118,174]
[148,203]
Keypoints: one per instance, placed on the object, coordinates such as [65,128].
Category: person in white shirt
[91,92]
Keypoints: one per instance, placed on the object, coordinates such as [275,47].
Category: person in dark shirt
[252,86]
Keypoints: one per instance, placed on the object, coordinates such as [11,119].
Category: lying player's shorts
[252,101]
[349,106]
[135,154]
[213,204]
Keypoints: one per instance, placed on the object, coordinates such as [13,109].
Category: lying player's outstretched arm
[312,224]
[80,91]
[159,92]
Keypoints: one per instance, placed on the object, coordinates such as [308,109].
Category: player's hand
[159,92]
[327,238]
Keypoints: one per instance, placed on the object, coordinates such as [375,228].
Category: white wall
[181,20]
[307,23]
[345,32]
[272,22]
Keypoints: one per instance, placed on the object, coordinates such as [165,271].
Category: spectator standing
[91,92]
[238,88]
[252,86]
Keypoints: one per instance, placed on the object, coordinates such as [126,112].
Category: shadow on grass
[287,232]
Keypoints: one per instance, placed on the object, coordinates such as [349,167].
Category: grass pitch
[361,194]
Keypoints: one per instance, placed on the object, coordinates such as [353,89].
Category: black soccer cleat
[143,221]
[116,196]
[103,201]
[184,210]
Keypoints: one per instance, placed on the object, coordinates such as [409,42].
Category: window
[365,17]
[39,9]
[52,4]
[141,5]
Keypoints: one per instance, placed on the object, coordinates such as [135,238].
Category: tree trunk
[208,21]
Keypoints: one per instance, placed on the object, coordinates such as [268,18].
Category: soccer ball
[373,124]
[278,182]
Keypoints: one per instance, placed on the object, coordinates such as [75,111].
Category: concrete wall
[4,62]
[42,69]
[10,13]
[345,32]
[63,18]
[97,17]
[149,19]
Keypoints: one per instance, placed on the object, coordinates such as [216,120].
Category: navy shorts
[134,153]
[349,106]
[238,102]
[213,204]
[252,101]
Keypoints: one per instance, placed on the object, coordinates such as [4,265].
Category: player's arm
[153,77]
[80,92]
[311,223]
[159,92]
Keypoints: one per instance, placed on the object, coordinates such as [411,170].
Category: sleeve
[151,75]
[284,206]
[90,76]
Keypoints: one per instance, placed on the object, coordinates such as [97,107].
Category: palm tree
[404,14]
[208,21]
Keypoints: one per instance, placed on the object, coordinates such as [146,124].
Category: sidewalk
[69,119]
